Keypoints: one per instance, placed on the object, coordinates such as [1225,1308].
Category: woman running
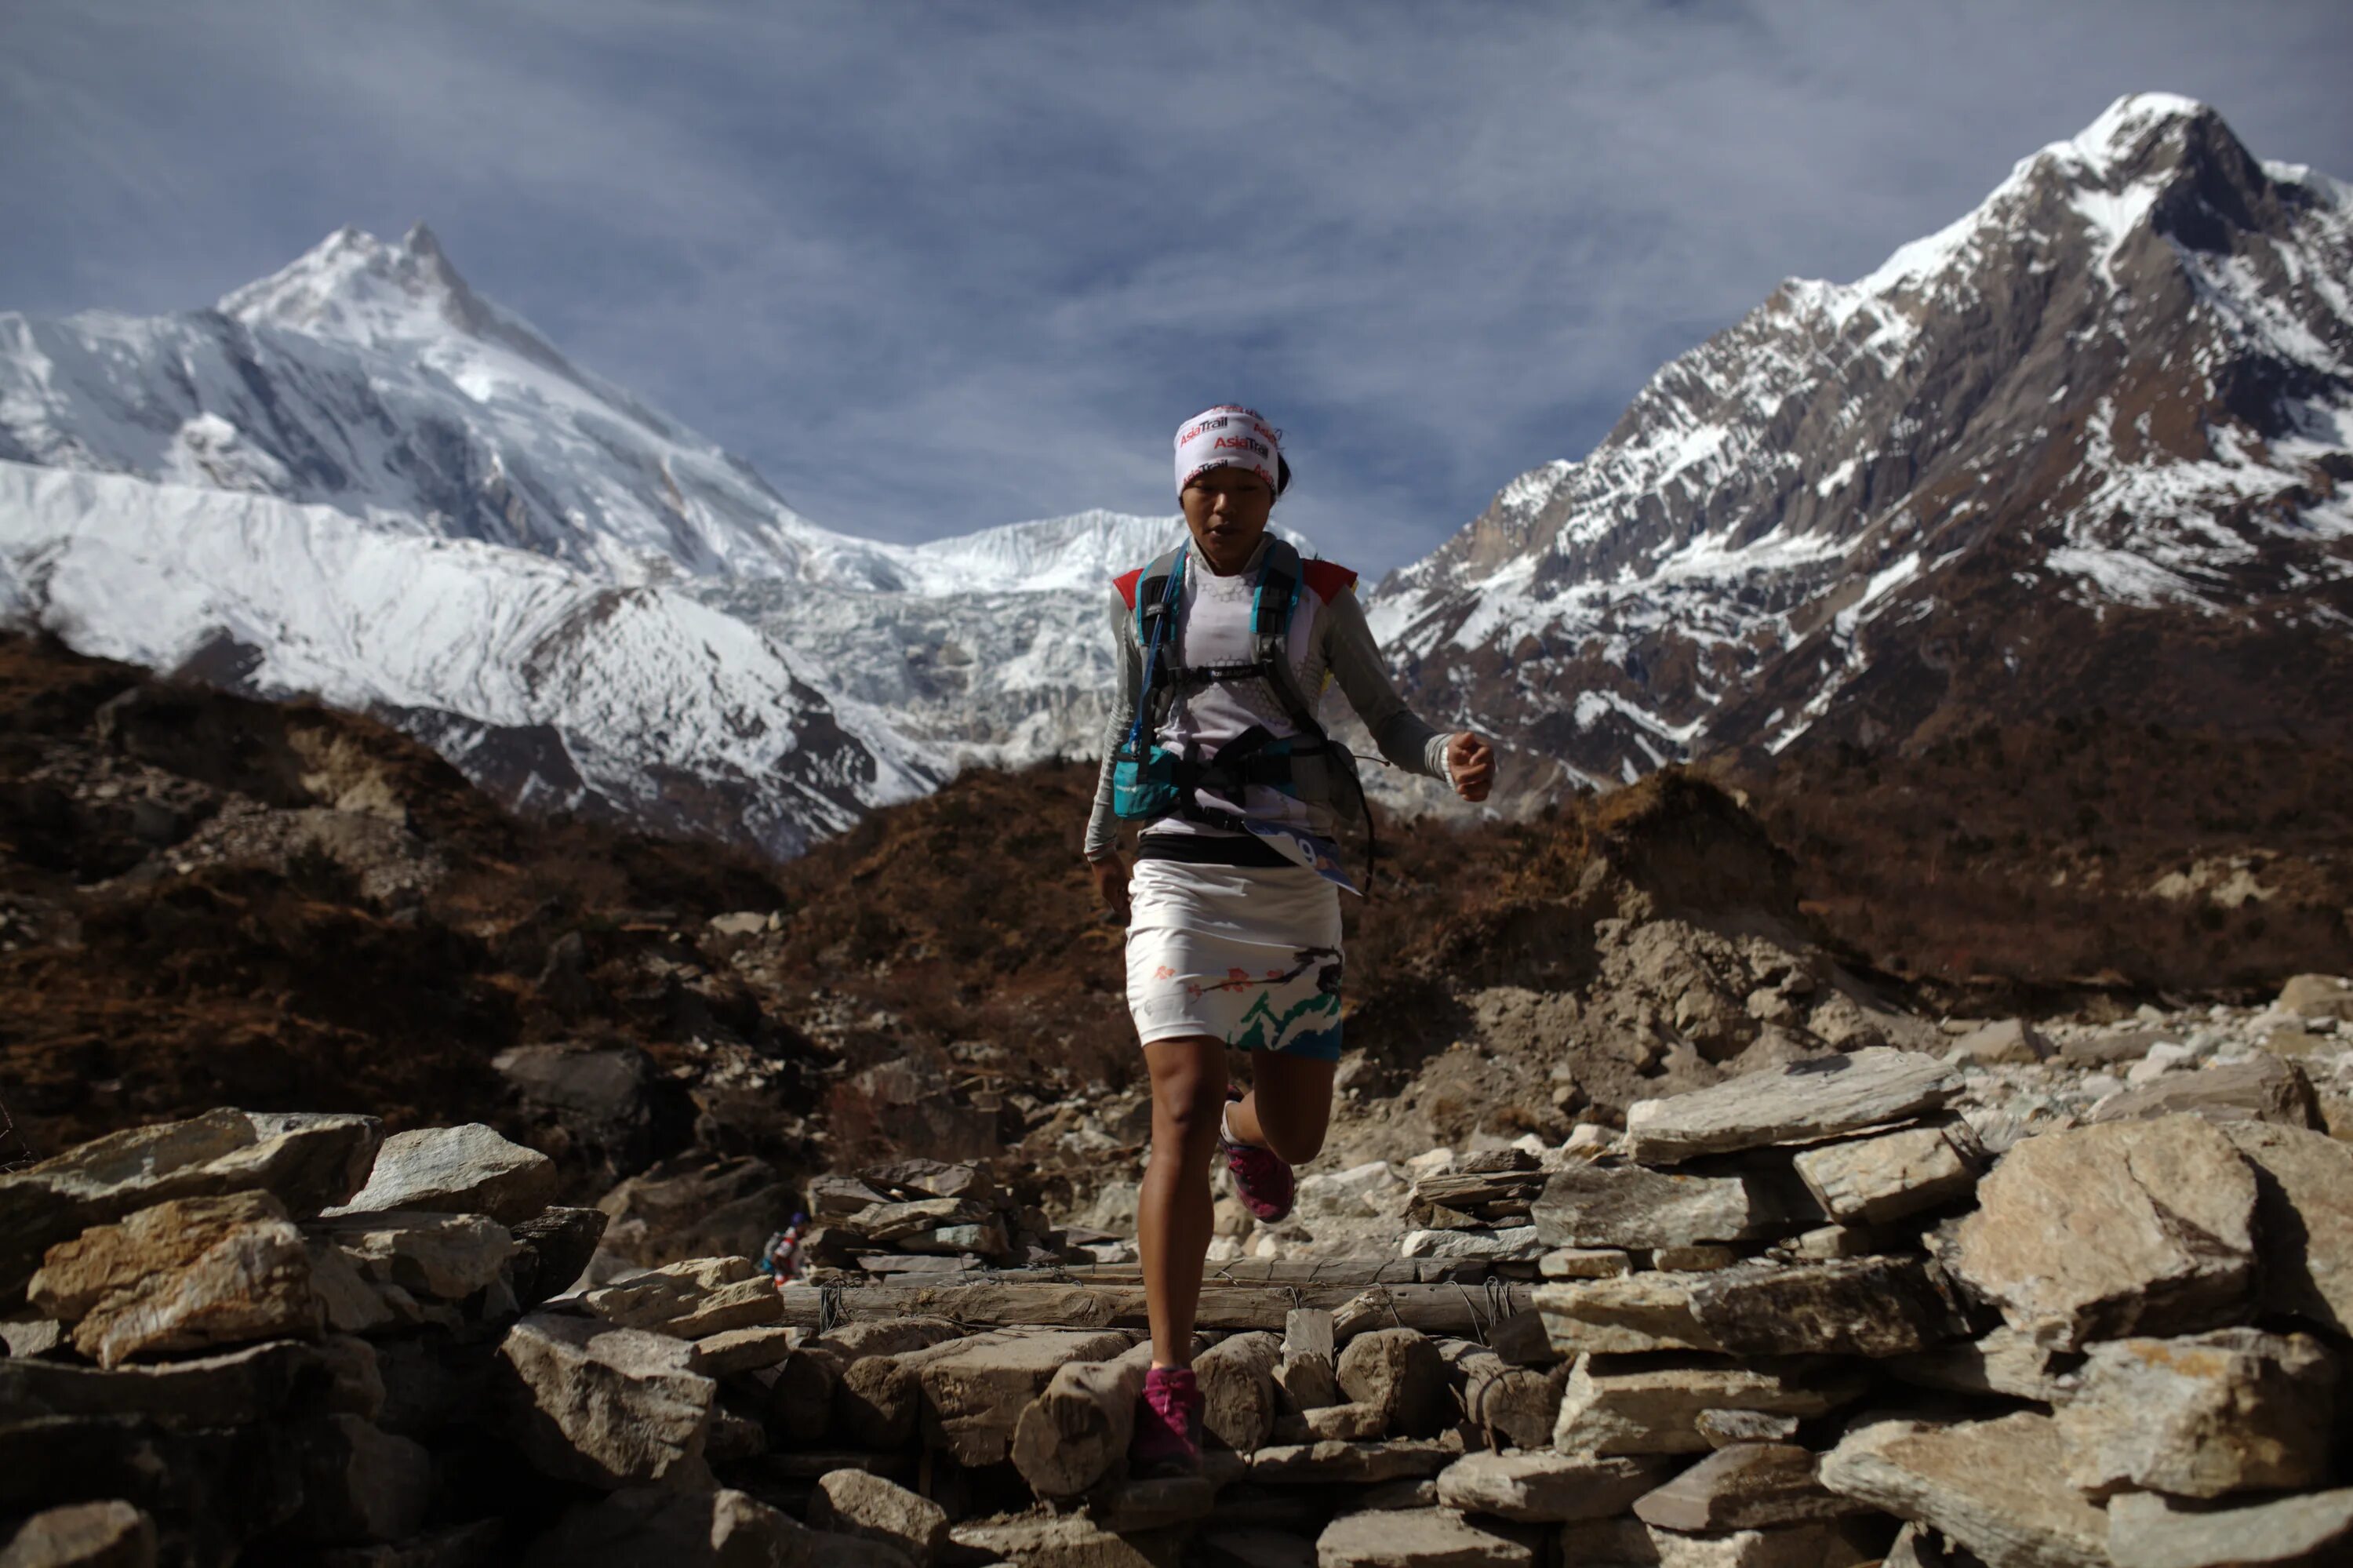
[1233,911]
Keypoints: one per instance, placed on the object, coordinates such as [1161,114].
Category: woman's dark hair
[1281,473]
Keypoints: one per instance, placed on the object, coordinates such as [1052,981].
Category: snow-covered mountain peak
[354,288]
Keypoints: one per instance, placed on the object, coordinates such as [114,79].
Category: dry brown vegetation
[961,928]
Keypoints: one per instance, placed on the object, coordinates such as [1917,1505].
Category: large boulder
[2128,1227]
[2234,1410]
[1998,1488]
[467,1170]
[1613,1205]
[1860,1306]
[609,1406]
[445,1257]
[307,1162]
[2260,1088]
[1656,1404]
[696,1206]
[2147,1530]
[2304,1210]
[185,1275]
[1804,1102]
[606,1108]
[691,1300]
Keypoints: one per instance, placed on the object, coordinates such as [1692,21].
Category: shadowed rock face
[2016,472]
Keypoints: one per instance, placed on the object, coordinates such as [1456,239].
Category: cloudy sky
[933,266]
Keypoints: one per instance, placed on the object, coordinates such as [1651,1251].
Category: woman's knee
[1188,1099]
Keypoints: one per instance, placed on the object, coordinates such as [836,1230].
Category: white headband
[1228,436]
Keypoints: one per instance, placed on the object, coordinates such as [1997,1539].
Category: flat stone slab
[1998,1488]
[2129,1227]
[1875,1180]
[590,1402]
[1858,1307]
[1416,1538]
[975,1390]
[1357,1463]
[854,1502]
[2003,1361]
[691,1299]
[1547,1487]
[741,1351]
[2314,1531]
[304,1161]
[1584,1262]
[237,1389]
[1512,1243]
[2234,1410]
[1615,1205]
[1803,1102]
[2303,1209]
[1658,1405]
[1747,1486]
[446,1256]
[111,1534]
[1069,1541]
[185,1275]
[2263,1089]
[466,1170]
[1631,1543]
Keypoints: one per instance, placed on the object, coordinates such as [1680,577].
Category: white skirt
[1248,954]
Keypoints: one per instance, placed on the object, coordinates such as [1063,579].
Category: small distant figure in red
[781,1258]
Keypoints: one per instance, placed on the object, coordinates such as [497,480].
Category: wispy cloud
[935,267]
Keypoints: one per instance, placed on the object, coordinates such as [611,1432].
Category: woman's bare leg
[1173,1212]
[1289,1108]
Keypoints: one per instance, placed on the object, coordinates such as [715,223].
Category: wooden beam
[1463,1311]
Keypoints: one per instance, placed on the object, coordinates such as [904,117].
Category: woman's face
[1227,509]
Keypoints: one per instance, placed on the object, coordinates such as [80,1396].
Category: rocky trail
[1838,1311]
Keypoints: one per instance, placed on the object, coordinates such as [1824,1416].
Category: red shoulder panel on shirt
[1126,582]
[1330,580]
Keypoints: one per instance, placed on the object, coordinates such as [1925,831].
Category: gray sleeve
[1402,735]
[1102,826]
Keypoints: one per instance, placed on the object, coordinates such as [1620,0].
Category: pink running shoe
[1167,1440]
[1261,1180]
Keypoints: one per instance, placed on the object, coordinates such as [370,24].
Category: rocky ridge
[2083,449]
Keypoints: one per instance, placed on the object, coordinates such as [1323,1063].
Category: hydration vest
[1149,781]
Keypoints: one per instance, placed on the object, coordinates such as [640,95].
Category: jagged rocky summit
[2086,447]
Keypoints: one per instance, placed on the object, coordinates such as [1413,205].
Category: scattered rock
[1400,1372]
[467,1169]
[2260,1088]
[1998,1488]
[856,1503]
[1862,1306]
[182,1275]
[975,1390]
[609,1406]
[1875,1180]
[2011,1040]
[444,1255]
[696,1206]
[111,1534]
[2003,1361]
[690,1298]
[1631,1543]
[2314,1531]
[2304,1183]
[1654,1404]
[1069,1541]
[1357,1464]
[1747,1486]
[1724,1427]
[2131,1227]
[552,1250]
[2317,996]
[1416,1538]
[1611,1206]
[2234,1410]
[1546,1489]
[1584,1262]
[1801,1103]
